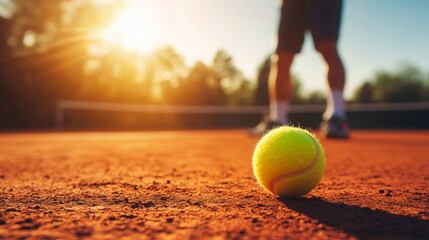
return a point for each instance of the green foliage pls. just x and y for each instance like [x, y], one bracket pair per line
[407, 84]
[364, 93]
[261, 92]
[316, 97]
[237, 89]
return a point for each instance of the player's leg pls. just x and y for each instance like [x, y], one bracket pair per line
[290, 39]
[336, 79]
[280, 86]
[325, 21]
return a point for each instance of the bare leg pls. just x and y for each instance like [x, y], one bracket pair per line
[280, 86]
[279, 83]
[279, 89]
[336, 79]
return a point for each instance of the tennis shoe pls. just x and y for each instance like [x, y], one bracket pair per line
[335, 127]
[263, 127]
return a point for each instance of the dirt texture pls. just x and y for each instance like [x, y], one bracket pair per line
[200, 185]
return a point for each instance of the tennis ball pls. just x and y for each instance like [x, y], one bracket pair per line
[288, 161]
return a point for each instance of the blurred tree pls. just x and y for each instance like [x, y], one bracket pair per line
[223, 65]
[244, 95]
[364, 93]
[4, 79]
[201, 86]
[238, 90]
[316, 97]
[425, 89]
[297, 91]
[168, 72]
[407, 84]
[261, 91]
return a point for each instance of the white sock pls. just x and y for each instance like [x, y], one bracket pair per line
[335, 105]
[279, 111]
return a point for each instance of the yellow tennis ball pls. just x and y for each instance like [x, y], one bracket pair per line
[288, 161]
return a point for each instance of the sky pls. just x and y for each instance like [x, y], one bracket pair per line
[375, 35]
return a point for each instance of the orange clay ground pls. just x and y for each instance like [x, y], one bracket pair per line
[200, 185]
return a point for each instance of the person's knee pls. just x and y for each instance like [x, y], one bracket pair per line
[283, 60]
[328, 49]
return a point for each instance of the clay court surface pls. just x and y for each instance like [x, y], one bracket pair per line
[200, 185]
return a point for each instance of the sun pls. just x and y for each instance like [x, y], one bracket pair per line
[133, 30]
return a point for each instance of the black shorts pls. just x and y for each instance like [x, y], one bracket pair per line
[321, 17]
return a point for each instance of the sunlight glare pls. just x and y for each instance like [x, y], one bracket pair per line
[133, 30]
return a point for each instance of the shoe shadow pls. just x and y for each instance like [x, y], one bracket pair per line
[362, 223]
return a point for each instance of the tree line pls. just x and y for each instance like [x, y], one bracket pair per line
[49, 53]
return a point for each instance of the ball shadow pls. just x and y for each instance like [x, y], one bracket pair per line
[362, 223]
